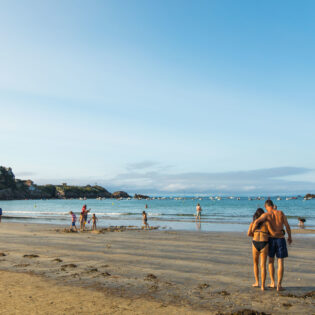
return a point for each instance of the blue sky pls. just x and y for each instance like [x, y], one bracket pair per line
[165, 96]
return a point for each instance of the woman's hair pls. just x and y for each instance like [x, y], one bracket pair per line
[143, 212]
[198, 204]
[269, 203]
[257, 214]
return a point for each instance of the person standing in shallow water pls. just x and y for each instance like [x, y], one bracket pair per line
[145, 220]
[94, 219]
[198, 209]
[73, 221]
[277, 244]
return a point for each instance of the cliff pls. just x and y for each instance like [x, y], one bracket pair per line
[309, 196]
[138, 196]
[12, 188]
[120, 194]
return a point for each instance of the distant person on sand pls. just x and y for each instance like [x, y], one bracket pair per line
[145, 220]
[0, 214]
[94, 219]
[260, 247]
[198, 209]
[277, 243]
[73, 221]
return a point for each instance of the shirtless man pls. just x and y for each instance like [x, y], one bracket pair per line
[277, 244]
[198, 209]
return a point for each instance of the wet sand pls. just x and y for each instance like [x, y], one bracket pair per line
[47, 271]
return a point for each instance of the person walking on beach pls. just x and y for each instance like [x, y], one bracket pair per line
[260, 247]
[198, 209]
[277, 243]
[73, 221]
[0, 214]
[145, 220]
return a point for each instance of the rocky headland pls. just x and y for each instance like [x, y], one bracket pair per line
[309, 196]
[12, 188]
[139, 196]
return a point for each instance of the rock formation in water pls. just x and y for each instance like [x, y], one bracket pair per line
[138, 196]
[309, 196]
[120, 194]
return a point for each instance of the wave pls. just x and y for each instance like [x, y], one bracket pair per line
[102, 214]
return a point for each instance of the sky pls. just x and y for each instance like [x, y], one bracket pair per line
[160, 97]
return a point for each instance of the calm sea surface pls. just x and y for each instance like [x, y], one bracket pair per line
[217, 215]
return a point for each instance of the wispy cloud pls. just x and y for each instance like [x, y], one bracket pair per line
[262, 181]
[24, 174]
[254, 181]
[141, 165]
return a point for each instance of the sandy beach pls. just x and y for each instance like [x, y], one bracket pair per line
[47, 271]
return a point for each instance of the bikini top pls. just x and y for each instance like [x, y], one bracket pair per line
[263, 229]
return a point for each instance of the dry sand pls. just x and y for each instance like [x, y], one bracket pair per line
[144, 272]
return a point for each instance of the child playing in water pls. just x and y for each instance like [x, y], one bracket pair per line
[73, 221]
[145, 219]
[82, 221]
[94, 219]
[301, 222]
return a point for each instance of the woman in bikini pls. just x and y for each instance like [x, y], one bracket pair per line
[260, 247]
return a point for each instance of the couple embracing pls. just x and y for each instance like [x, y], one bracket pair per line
[267, 230]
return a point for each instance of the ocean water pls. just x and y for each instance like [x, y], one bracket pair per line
[217, 215]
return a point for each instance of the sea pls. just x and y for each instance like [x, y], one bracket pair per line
[218, 214]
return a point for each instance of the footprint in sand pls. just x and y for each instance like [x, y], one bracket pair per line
[31, 256]
[64, 267]
[203, 286]
[2, 254]
[21, 265]
[105, 274]
[154, 287]
[246, 311]
[57, 260]
[150, 277]
[223, 293]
